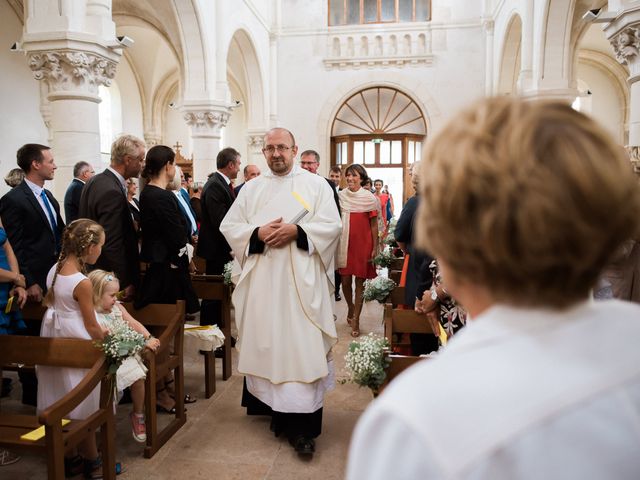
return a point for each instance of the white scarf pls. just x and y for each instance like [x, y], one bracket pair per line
[353, 202]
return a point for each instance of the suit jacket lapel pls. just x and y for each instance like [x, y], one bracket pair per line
[224, 185]
[36, 205]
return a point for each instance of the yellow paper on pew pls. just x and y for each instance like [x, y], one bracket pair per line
[38, 433]
[197, 327]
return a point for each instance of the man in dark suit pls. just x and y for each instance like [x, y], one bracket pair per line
[310, 161]
[82, 172]
[31, 217]
[250, 172]
[104, 199]
[216, 199]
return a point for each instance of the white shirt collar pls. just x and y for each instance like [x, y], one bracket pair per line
[119, 177]
[226, 179]
[296, 170]
[36, 189]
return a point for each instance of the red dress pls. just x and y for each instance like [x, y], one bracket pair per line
[360, 245]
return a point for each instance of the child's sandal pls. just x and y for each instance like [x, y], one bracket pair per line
[93, 469]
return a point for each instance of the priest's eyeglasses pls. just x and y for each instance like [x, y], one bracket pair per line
[270, 149]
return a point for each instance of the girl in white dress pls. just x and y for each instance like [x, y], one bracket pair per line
[71, 315]
[132, 371]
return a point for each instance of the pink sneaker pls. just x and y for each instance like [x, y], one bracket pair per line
[138, 428]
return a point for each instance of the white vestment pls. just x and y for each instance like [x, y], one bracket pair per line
[282, 299]
[516, 394]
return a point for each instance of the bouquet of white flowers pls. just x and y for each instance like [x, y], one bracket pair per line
[378, 289]
[384, 258]
[366, 361]
[120, 343]
[228, 268]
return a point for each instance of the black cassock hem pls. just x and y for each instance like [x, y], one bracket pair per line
[291, 424]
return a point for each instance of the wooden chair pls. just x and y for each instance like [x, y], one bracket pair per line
[395, 275]
[166, 322]
[60, 352]
[212, 287]
[31, 312]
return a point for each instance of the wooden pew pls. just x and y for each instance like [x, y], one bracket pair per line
[397, 263]
[60, 352]
[398, 322]
[166, 322]
[397, 297]
[212, 287]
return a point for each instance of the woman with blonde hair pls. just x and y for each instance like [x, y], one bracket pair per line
[523, 206]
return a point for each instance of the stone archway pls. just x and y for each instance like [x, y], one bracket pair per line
[511, 58]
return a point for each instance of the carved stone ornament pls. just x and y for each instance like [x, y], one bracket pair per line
[72, 70]
[255, 142]
[634, 157]
[626, 45]
[206, 119]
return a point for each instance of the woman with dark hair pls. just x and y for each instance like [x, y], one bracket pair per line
[164, 244]
[359, 240]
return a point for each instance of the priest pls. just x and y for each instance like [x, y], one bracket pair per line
[282, 299]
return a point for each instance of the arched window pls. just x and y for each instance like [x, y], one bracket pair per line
[383, 129]
[110, 121]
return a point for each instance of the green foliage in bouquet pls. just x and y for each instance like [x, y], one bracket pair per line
[384, 258]
[121, 342]
[378, 289]
[228, 268]
[366, 361]
[390, 239]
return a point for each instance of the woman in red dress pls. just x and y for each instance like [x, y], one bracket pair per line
[359, 240]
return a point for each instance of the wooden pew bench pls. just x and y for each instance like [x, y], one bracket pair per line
[212, 287]
[166, 322]
[398, 322]
[60, 352]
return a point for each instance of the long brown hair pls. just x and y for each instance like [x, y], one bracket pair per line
[77, 237]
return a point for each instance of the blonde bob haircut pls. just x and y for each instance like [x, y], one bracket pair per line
[99, 280]
[528, 199]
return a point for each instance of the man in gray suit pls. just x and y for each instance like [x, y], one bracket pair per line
[104, 199]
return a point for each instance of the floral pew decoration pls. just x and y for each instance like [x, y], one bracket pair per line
[366, 362]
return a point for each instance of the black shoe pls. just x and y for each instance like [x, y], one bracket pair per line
[338, 297]
[233, 342]
[303, 445]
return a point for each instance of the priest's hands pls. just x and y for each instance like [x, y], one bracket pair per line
[277, 234]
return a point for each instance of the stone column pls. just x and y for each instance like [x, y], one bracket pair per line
[73, 77]
[152, 139]
[205, 124]
[624, 35]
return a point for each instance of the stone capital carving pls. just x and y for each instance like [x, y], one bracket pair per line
[203, 121]
[626, 44]
[255, 142]
[72, 70]
[634, 157]
[152, 139]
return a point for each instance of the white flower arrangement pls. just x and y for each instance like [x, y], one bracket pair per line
[384, 258]
[390, 239]
[378, 289]
[226, 272]
[366, 361]
[120, 343]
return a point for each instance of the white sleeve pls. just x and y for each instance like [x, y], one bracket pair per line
[384, 447]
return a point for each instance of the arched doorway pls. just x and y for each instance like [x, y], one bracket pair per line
[382, 129]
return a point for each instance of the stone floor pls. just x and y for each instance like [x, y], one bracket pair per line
[220, 441]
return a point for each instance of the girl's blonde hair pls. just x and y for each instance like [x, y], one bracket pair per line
[99, 281]
[77, 237]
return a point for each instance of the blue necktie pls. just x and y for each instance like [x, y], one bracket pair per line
[52, 217]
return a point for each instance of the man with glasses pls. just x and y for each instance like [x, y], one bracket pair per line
[82, 172]
[284, 312]
[104, 200]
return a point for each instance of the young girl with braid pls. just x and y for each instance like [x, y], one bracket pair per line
[71, 314]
